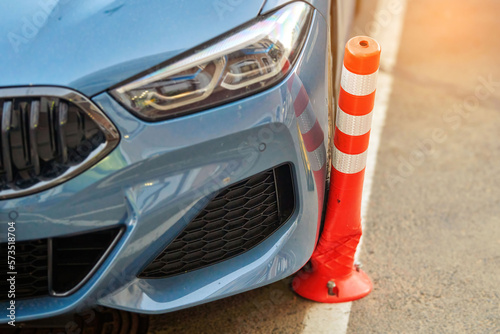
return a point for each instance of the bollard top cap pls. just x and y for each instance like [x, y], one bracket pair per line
[362, 55]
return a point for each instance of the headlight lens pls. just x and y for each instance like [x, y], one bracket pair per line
[250, 59]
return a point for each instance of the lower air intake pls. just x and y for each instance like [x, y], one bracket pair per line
[239, 218]
[55, 267]
[31, 268]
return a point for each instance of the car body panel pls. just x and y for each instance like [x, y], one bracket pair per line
[321, 6]
[54, 42]
[160, 175]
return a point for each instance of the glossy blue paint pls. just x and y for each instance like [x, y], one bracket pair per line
[321, 5]
[159, 177]
[94, 44]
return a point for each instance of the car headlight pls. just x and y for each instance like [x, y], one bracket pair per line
[250, 59]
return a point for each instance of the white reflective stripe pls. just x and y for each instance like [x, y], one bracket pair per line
[353, 125]
[317, 158]
[306, 120]
[349, 163]
[296, 86]
[356, 84]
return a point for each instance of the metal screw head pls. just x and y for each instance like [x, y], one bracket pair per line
[330, 285]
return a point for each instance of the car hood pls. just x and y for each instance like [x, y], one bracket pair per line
[93, 44]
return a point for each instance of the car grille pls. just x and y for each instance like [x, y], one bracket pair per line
[48, 135]
[55, 266]
[31, 268]
[238, 218]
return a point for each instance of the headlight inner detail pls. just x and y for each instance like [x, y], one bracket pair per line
[252, 58]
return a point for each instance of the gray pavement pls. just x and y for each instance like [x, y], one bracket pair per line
[432, 245]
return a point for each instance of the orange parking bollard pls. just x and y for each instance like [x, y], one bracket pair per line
[333, 277]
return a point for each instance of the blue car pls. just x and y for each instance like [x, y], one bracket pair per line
[157, 155]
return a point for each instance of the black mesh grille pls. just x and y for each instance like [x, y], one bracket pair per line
[73, 258]
[236, 220]
[31, 266]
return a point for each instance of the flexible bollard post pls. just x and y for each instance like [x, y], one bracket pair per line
[333, 277]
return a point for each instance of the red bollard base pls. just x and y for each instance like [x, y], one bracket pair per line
[318, 287]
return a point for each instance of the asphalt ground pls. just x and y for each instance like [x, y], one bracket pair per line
[432, 232]
[432, 243]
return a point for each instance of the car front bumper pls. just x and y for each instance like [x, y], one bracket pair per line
[159, 172]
